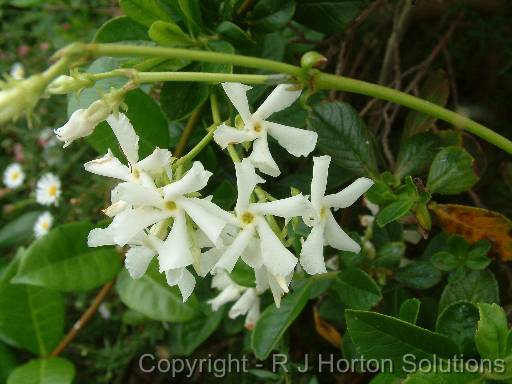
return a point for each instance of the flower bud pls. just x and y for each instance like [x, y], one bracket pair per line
[20, 97]
[83, 121]
[67, 84]
[312, 59]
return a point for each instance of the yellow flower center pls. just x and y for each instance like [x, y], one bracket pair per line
[257, 126]
[52, 191]
[135, 173]
[170, 205]
[323, 212]
[45, 225]
[15, 175]
[247, 218]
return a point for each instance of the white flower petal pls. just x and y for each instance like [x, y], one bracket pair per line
[261, 277]
[115, 208]
[281, 97]
[278, 287]
[349, 195]
[237, 94]
[204, 216]
[230, 293]
[194, 180]
[298, 142]
[337, 238]
[137, 195]
[173, 276]
[78, 126]
[157, 162]
[175, 252]
[207, 261]
[319, 181]
[312, 253]
[243, 304]
[100, 236]
[277, 259]
[126, 136]
[232, 253]
[262, 159]
[221, 280]
[225, 135]
[252, 254]
[109, 166]
[186, 284]
[253, 315]
[246, 180]
[137, 260]
[130, 222]
[290, 207]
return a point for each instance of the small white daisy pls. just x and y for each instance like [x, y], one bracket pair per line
[17, 71]
[13, 176]
[48, 189]
[43, 224]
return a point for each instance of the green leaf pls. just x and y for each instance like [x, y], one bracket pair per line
[409, 310]
[378, 336]
[418, 275]
[180, 99]
[380, 193]
[271, 15]
[458, 322]
[233, 33]
[477, 257]
[451, 172]
[436, 90]
[192, 12]
[445, 261]
[145, 12]
[7, 363]
[54, 370]
[225, 195]
[443, 378]
[61, 260]
[356, 289]
[169, 34]
[275, 321]
[385, 378]
[389, 254]
[328, 16]
[394, 211]
[243, 275]
[222, 47]
[120, 28]
[30, 317]
[493, 335]
[19, 230]
[416, 154]
[185, 338]
[152, 296]
[475, 287]
[344, 136]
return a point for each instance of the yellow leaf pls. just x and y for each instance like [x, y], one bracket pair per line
[326, 330]
[476, 224]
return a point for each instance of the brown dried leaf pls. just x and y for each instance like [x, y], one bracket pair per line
[326, 330]
[477, 224]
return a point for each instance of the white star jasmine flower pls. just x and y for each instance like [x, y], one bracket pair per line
[271, 253]
[141, 172]
[325, 229]
[247, 301]
[48, 189]
[43, 224]
[14, 176]
[83, 121]
[298, 142]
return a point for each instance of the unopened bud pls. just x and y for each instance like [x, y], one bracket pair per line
[312, 59]
[20, 97]
[68, 84]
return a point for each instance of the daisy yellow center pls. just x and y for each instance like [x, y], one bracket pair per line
[45, 225]
[257, 126]
[247, 218]
[52, 190]
[170, 205]
[15, 175]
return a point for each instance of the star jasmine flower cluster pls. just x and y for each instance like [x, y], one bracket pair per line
[13, 176]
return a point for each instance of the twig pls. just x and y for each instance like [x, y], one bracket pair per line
[187, 132]
[86, 316]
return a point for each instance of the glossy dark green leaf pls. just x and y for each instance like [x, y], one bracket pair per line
[409, 310]
[419, 275]
[458, 322]
[356, 289]
[344, 136]
[475, 287]
[275, 321]
[385, 378]
[451, 172]
[436, 90]
[477, 258]
[185, 338]
[53, 370]
[271, 15]
[192, 13]
[389, 254]
[152, 296]
[7, 362]
[168, 33]
[222, 47]
[443, 378]
[30, 317]
[145, 12]
[233, 33]
[493, 336]
[61, 260]
[120, 28]
[180, 99]
[330, 16]
[378, 336]
[243, 275]
[445, 261]
[394, 211]
[19, 230]
[225, 195]
[416, 154]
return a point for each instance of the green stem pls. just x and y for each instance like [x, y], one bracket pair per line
[56, 69]
[197, 148]
[187, 132]
[326, 81]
